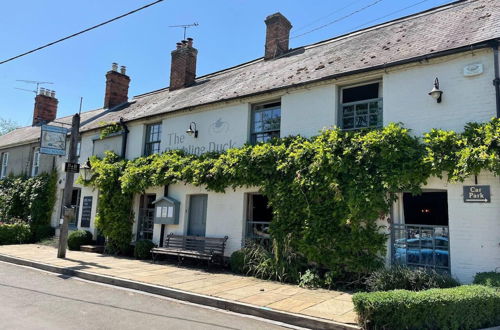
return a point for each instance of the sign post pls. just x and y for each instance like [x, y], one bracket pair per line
[68, 186]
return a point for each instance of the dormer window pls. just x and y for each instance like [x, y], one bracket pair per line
[361, 106]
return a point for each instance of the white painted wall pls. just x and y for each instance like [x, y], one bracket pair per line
[465, 99]
[307, 112]
[225, 213]
[218, 130]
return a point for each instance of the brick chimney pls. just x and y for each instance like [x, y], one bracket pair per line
[116, 86]
[277, 35]
[45, 107]
[183, 67]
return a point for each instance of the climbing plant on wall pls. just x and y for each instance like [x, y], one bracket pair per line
[115, 215]
[327, 192]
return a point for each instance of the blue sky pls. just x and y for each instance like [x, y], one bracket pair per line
[229, 32]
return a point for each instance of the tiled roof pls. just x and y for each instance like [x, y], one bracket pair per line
[32, 133]
[457, 25]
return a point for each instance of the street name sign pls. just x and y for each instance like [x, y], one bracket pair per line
[477, 194]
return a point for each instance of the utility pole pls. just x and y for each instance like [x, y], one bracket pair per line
[68, 187]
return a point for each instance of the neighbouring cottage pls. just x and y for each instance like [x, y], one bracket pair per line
[364, 79]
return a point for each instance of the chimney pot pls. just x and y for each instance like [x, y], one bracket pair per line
[114, 66]
[277, 35]
[52, 94]
[190, 42]
[123, 69]
[178, 45]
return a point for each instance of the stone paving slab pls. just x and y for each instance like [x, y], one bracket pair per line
[330, 305]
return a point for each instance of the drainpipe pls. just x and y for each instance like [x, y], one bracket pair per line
[125, 137]
[496, 81]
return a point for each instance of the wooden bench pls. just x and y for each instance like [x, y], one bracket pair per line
[205, 248]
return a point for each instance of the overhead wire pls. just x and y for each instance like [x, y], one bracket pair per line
[81, 32]
[338, 19]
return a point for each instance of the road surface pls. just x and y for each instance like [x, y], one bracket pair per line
[32, 299]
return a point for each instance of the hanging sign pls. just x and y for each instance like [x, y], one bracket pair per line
[477, 194]
[53, 140]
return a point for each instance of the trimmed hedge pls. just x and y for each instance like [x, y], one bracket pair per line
[405, 278]
[14, 233]
[463, 307]
[488, 279]
[142, 249]
[78, 238]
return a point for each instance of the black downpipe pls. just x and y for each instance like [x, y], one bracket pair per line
[496, 81]
[125, 137]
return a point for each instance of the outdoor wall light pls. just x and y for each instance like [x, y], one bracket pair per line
[436, 93]
[192, 130]
[87, 170]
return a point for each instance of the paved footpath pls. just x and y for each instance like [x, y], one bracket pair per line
[325, 304]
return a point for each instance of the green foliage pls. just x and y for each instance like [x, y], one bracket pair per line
[463, 307]
[405, 278]
[142, 249]
[7, 125]
[280, 263]
[42, 232]
[327, 192]
[311, 279]
[114, 217]
[488, 278]
[237, 262]
[14, 233]
[109, 129]
[465, 154]
[31, 199]
[78, 238]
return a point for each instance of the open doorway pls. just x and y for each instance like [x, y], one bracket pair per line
[258, 219]
[422, 239]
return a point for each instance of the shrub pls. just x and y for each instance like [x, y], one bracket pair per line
[237, 262]
[14, 233]
[41, 232]
[404, 278]
[311, 279]
[463, 307]
[142, 249]
[488, 279]
[78, 238]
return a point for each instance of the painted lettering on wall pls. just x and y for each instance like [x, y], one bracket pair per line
[176, 141]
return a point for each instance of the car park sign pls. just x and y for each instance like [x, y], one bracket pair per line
[477, 194]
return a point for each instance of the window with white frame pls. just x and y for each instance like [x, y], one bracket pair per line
[361, 106]
[153, 139]
[35, 167]
[266, 121]
[5, 165]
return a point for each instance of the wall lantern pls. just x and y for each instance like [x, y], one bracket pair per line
[87, 170]
[192, 130]
[436, 93]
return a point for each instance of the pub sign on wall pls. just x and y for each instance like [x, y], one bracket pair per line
[166, 211]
